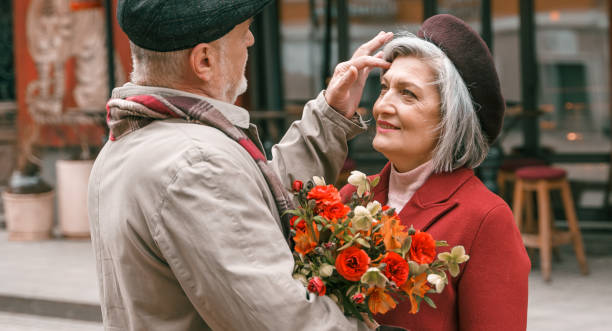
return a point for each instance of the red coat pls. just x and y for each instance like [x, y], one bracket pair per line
[490, 293]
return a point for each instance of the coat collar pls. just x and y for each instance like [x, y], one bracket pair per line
[238, 116]
[431, 201]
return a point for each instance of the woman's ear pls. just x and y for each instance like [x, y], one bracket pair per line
[202, 61]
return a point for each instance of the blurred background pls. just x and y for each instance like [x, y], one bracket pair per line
[60, 58]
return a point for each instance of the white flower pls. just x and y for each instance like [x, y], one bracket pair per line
[362, 219]
[301, 278]
[360, 180]
[373, 277]
[374, 207]
[318, 181]
[326, 270]
[454, 258]
[438, 281]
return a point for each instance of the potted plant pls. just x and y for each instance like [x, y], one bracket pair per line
[28, 200]
[72, 180]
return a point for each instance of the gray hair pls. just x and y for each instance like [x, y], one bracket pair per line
[153, 68]
[461, 141]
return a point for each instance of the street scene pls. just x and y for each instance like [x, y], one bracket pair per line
[548, 153]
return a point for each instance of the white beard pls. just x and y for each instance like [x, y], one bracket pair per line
[238, 90]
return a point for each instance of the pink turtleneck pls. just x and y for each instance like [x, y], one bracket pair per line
[402, 185]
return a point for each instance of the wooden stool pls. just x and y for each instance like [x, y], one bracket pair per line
[543, 179]
[509, 167]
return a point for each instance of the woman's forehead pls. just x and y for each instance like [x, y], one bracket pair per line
[409, 69]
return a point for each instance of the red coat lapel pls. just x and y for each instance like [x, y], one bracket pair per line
[431, 201]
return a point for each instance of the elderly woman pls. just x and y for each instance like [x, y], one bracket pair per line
[439, 108]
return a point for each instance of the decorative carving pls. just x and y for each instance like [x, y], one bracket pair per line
[56, 31]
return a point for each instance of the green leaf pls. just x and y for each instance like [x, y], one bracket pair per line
[375, 181]
[441, 243]
[429, 302]
[294, 212]
[345, 246]
[406, 246]
[362, 242]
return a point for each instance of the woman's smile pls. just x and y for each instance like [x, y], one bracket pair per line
[384, 126]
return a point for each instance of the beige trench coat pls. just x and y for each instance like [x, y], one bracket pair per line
[186, 232]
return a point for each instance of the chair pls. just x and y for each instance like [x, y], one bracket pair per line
[542, 180]
[509, 167]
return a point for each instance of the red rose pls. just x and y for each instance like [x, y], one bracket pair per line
[397, 268]
[297, 185]
[358, 298]
[352, 263]
[301, 225]
[423, 248]
[335, 210]
[316, 286]
[324, 194]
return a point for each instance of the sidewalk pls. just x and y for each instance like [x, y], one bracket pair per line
[51, 285]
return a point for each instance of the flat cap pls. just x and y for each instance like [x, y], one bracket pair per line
[472, 58]
[164, 26]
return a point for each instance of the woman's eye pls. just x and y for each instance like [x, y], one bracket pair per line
[409, 94]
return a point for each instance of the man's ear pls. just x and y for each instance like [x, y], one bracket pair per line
[202, 61]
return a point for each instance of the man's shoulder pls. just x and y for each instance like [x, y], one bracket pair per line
[162, 148]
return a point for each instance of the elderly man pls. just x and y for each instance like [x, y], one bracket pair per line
[184, 208]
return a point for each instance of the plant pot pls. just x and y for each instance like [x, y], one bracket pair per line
[72, 180]
[28, 216]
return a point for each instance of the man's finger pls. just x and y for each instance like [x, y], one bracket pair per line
[374, 44]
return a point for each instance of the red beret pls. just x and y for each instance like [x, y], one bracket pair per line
[472, 58]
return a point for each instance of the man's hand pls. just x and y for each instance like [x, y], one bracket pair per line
[346, 85]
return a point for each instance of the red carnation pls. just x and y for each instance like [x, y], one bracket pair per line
[301, 226]
[316, 286]
[352, 263]
[358, 298]
[397, 268]
[297, 185]
[336, 210]
[423, 248]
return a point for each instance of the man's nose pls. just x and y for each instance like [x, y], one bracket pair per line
[250, 39]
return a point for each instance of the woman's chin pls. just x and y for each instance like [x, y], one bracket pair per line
[380, 146]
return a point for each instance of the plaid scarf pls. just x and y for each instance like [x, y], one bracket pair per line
[130, 114]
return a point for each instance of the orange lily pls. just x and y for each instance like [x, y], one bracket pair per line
[415, 286]
[379, 301]
[393, 232]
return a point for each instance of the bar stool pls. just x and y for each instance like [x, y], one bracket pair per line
[543, 179]
[509, 167]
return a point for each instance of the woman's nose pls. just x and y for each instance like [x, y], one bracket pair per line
[383, 105]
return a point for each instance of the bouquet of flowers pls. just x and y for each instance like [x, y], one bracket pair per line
[360, 255]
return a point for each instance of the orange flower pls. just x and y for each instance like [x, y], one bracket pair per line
[329, 204]
[334, 211]
[304, 241]
[423, 248]
[415, 286]
[393, 232]
[324, 194]
[379, 301]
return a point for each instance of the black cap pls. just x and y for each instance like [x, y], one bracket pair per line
[472, 58]
[164, 26]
